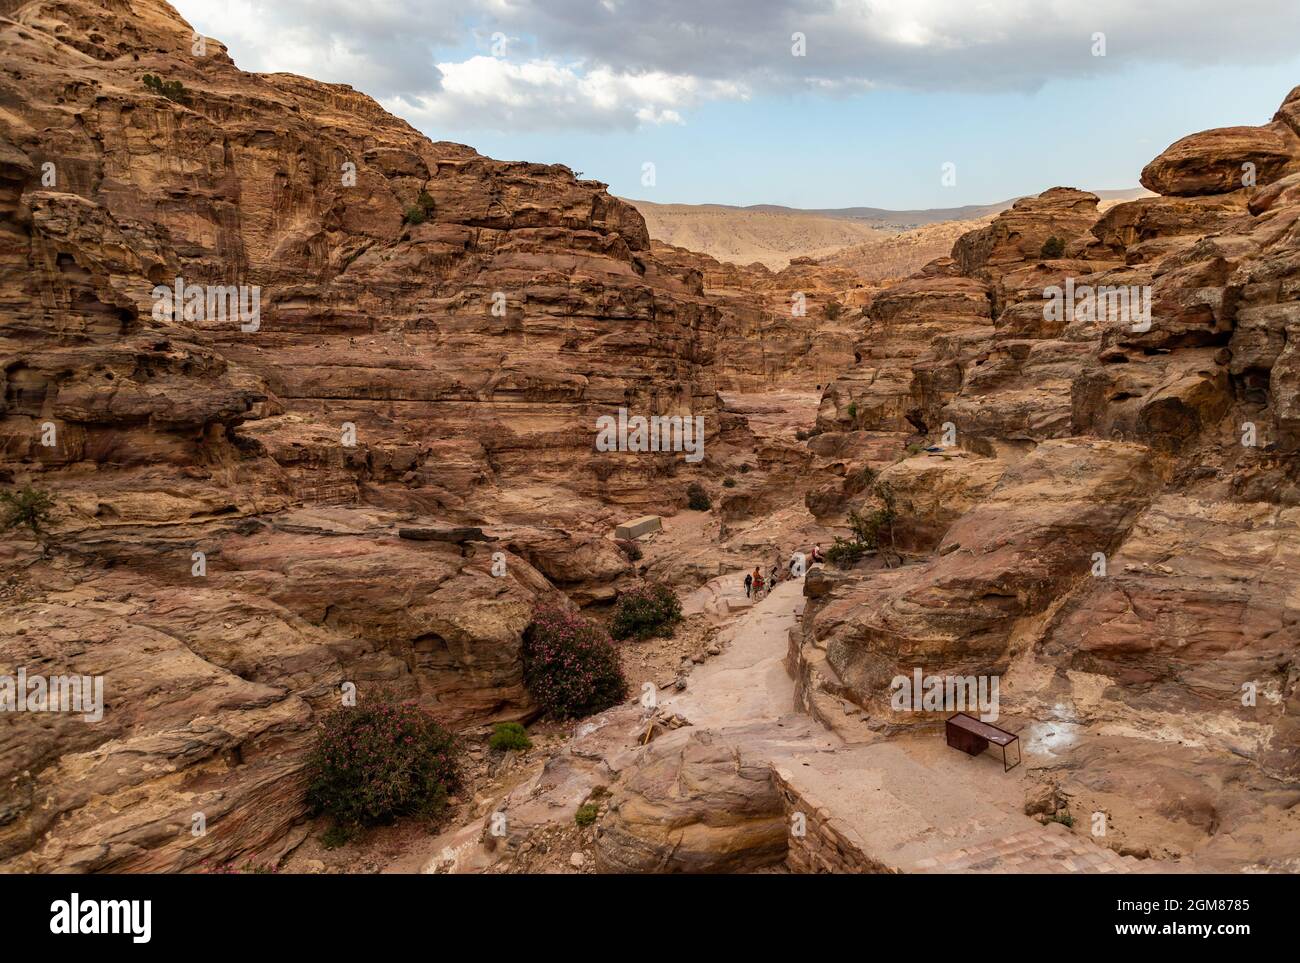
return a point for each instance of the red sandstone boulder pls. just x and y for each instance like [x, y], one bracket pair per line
[1223, 160]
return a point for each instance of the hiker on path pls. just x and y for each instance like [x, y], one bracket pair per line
[749, 583]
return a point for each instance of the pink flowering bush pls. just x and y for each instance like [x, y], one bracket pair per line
[378, 760]
[570, 666]
[646, 610]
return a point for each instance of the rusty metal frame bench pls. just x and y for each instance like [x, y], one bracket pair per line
[972, 736]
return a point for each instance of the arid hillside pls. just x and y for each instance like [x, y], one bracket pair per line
[876, 243]
[747, 236]
[892, 257]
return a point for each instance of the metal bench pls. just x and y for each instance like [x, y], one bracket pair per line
[971, 736]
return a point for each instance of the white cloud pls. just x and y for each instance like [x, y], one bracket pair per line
[488, 91]
[612, 63]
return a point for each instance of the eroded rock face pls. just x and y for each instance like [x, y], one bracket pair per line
[899, 380]
[1006, 559]
[1019, 234]
[213, 685]
[1197, 603]
[790, 328]
[931, 491]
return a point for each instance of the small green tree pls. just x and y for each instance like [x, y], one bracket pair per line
[1053, 247]
[173, 90]
[27, 508]
[872, 530]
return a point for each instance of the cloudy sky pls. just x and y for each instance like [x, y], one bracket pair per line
[809, 103]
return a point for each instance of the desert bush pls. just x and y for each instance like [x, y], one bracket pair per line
[630, 548]
[853, 411]
[844, 552]
[832, 310]
[508, 736]
[1053, 247]
[871, 530]
[802, 434]
[586, 814]
[378, 760]
[570, 666]
[27, 508]
[645, 611]
[420, 211]
[173, 90]
[697, 499]
[728, 483]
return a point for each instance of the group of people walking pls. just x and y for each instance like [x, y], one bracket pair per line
[757, 584]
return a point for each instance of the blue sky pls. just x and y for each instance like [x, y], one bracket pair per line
[885, 92]
[885, 148]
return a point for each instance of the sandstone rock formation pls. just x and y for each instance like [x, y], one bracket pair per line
[789, 328]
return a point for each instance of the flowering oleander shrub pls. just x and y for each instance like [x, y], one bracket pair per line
[379, 760]
[646, 610]
[570, 666]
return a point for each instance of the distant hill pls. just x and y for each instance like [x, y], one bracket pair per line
[772, 234]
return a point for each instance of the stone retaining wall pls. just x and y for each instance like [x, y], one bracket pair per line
[828, 845]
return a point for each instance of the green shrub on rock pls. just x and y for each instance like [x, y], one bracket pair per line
[509, 736]
[27, 508]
